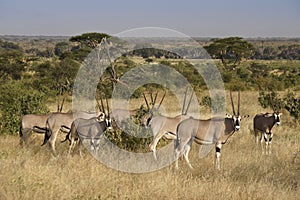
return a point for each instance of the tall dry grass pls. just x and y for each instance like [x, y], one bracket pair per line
[246, 173]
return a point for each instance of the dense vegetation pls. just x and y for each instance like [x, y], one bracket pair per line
[35, 71]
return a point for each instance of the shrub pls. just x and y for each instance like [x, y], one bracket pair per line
[270, 99]
[289, 102]
[292, 104]
[15, 101]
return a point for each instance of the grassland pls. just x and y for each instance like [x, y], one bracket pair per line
[246, 173]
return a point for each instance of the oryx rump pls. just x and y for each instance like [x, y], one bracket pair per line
[56, 120]
[32, 122]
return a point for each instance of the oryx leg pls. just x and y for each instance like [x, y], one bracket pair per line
[72, 145]
[256, 136]
[218, 154]
[156, 138]
[262, 139]
[24, 135]
[52, 141]
[180, 147]
[268, 144]
[80, 147]
[187, 149]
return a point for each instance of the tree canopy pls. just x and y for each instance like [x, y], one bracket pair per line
[89, 39]
[230, 50]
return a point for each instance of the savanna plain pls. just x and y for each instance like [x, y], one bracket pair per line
[246, 171]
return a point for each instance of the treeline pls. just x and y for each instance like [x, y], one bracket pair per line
[35, 72]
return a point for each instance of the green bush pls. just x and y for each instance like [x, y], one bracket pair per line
[289, 102]
[270, 99]
[292, 104]
[15, 101]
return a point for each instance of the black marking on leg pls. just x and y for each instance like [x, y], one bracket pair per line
[266, 139]
[218, 149]
[270, 139]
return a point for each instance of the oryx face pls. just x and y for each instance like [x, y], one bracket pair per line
[236, 117]
[277, 118]
[108, 123]
[236, 122]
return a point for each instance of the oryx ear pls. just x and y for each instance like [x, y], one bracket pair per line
[228, 116]
[279, 114]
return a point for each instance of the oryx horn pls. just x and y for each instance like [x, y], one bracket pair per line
[232, 103]
[146, 101]
[102, 106]
[107, 105]
[154, 101]
[62, 104]
[98, 104]
[189, 103]
[239, 99]
[184, 100]
[161, 100]
[272, 104]
[151, 97]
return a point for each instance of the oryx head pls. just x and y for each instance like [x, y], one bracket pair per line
[103, 116]
[236, 117]
[108, 123]
[277, 115]
[146, 118]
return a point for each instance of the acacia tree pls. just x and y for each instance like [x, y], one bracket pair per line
[90, 40]
[230, 51]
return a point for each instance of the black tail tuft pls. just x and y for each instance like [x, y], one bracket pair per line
[47, 137]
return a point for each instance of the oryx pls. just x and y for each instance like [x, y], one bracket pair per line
[164, 126]
[206, 132]
[35, 123]
[32, 122]
[56, 120]
[264, 123]
[90, 129]
[118, 115]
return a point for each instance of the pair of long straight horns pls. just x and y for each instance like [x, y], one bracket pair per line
[153, 100]
[233, 110]
[184, 112]
[101, 106]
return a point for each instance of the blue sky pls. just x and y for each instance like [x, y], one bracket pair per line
[213, 18]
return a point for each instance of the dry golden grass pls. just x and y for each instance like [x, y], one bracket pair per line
[245, 173]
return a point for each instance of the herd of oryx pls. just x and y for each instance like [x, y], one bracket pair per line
[183, 129]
